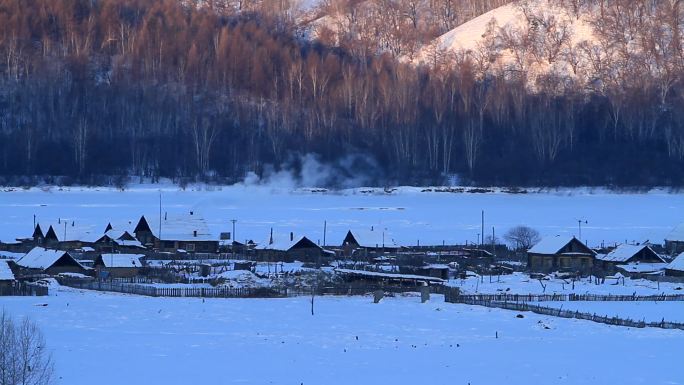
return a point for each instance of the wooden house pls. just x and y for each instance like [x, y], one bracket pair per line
[64, 234]
[52, 262]
[674, 241]
[176, 233]
[364, 243]
[290, 248]
[7, 279]
[117, 241]
[626, 254]
[118, 265]
[676, 267]
[560, 253]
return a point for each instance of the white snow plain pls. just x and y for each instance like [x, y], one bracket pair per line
[122, 339]
[408, 214]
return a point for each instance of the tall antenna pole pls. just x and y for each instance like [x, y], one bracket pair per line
[234, 237]
[325, 230]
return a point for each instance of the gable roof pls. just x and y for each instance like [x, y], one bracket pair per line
[41, 258]
[371, 238]
[551, 244]
[6, 273]
[677, 263]
[121, 238]
[71, 232]
[283, 243]
[624, 252]
[189, 226]
[120, 260]
[677, 234]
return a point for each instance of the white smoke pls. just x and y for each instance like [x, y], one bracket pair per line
[308, 170]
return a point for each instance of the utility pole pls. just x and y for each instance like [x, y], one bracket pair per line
[482, 230]
[160, 218]
[325, 230]
[234, 237]
[493, 238]
[579, 225]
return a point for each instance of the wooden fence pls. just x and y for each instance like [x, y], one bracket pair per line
[133, 287]
[571, 297]
[153, 291]
[24, 290]
[454, 297]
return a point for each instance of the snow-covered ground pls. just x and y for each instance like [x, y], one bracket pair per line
[114, 339]
[672, 311]
[519, 283]
[408, 214]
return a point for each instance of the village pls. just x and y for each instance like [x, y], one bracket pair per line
[158, 287]
[178, 251]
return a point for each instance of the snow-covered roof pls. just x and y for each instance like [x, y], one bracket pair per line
[11, 255]
[5, 271]
[677, 234]
[282, 242]
[551, 245]
[373, 238]
[123, 238]
[189, 226]
[41, 258]
[122, 260]
[677, 263]
[623, 253]
[643, 267]
[69, 230]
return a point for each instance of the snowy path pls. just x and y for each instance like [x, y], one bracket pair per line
[114, 339]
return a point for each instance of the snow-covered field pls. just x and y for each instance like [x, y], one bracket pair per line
[407, 213]
[638, 310]
[519, 283]
[115, 339]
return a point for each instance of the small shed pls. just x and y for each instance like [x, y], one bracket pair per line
[7, 278]
[47, 261]
[674, 241]
[676, 267]
[625, 254]
[118, 265]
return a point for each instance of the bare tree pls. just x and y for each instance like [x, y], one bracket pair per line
[24, 360]
[522, 237]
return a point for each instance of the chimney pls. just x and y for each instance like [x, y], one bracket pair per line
[192, 213]
[164, 215]
[291, 236]
[194, 233]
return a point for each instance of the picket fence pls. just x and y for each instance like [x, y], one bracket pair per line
[572, 297]
[487, 301]
[200, 292]
[24, 290]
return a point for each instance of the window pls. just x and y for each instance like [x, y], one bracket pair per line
[189, 247]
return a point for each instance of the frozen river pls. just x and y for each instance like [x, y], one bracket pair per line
[409, 215]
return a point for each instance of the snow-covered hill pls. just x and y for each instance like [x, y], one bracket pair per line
[533, 37]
